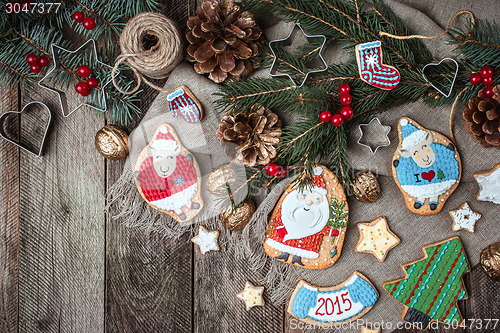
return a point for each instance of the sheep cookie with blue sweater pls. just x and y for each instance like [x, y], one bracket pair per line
[426, 167]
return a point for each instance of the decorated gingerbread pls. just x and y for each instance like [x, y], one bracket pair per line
[168, 176]
[426, 167]
[182, 102]
[307, 227]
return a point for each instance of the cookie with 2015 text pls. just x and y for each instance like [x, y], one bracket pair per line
[426, 167]
[307, 227]
[168, 176]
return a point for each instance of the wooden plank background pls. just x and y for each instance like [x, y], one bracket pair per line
[66, 266]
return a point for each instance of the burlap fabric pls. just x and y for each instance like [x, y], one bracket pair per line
[414, 231]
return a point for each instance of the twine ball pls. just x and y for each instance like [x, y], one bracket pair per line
[365, 187]
[490, 260]
[112, 142]
[237, 219]
[162, 57]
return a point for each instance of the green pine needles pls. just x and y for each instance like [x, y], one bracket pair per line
[338, 215]
[346, 23]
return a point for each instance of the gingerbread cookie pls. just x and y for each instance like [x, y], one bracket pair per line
[326, 306]
[168, 176]
[251, 295]
[207, 240]
[464, 218]
[376, 238]
[489, 184]
[433, 285]
[307, 227]
[426, 167]
[183, 102]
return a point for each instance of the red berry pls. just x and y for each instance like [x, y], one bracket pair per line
[345, 99]
[43, 61]
[82, 88]
[487, 81]
[325, 116]
[92, 82]
[346, 112]
[282, 172]
[78, 17]
[488, 92]
[36, 68]
[272, 169]
[475, 79]
[32, 59]
[486, 72]
[335, 233]
[88, 23]
[337, 120]
[344, 88]
[83, 70]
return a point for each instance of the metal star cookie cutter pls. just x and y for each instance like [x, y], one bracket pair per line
[437, 64]
[55, 49]
[379, 144]
[37, 152]
[286, 42]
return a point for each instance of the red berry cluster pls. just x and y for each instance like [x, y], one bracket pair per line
[87, 22]
[85, 88]
[275, 170]
[36, 63]
[485, 76]
[346, 111]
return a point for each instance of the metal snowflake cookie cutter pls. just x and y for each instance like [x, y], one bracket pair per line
[37, 151]
[385, 129]
[63, 100]
[437, 64]
[286, 42]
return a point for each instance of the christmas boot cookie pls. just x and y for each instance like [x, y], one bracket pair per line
[327, 306]
[168, 176]
[183, 102]
[307, 227]
[371, 68]
[426, 167]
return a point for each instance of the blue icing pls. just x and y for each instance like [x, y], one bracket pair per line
[362, 292]
[445, 161]
[305, 299]
[175, 94]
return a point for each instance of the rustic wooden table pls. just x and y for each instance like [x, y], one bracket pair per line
[67, 266]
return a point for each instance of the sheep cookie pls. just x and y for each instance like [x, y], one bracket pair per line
[168, 176]
[426, 167]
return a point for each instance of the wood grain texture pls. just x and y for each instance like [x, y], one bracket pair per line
[61, 227]
[9, 223]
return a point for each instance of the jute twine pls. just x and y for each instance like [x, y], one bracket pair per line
[155, 62]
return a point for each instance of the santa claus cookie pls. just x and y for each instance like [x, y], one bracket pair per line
[307, 227]
[426, 167]
[168, 177]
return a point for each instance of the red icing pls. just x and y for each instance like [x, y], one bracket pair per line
[428, 175]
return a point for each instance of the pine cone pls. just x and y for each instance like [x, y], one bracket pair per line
[482, 119]
[250, 137]
[223, 39]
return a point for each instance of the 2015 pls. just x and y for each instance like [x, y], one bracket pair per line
[27, 7]
[329, 305]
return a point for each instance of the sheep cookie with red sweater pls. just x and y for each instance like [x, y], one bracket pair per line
[168, 176]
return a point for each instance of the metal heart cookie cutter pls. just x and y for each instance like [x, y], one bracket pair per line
[437, 64]
[287, 42]
[28, 137]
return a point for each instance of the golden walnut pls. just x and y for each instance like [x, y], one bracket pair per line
[112, 142]
[237, 219]
[490, 260]
[365, 187]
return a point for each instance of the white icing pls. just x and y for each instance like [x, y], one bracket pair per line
[177, 200]
[308, 287]
[464, 218]
[355, 308]
[292, 250]
[413, 139]
[168, 145]
[489, 187]
[351, 280]
[403, 122]
[429, 190]
[207, 240]
[317, 170]
[164, 129]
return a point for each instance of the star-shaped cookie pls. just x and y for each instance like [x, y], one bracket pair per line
[376, 238]
[251, 295]
[207, 240]
[365, 329]
[464, 218]
[489, 184]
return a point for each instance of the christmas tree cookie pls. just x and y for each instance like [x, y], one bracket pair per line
[433, 285]
[168, 176]
[307, 227]
[426, 167]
